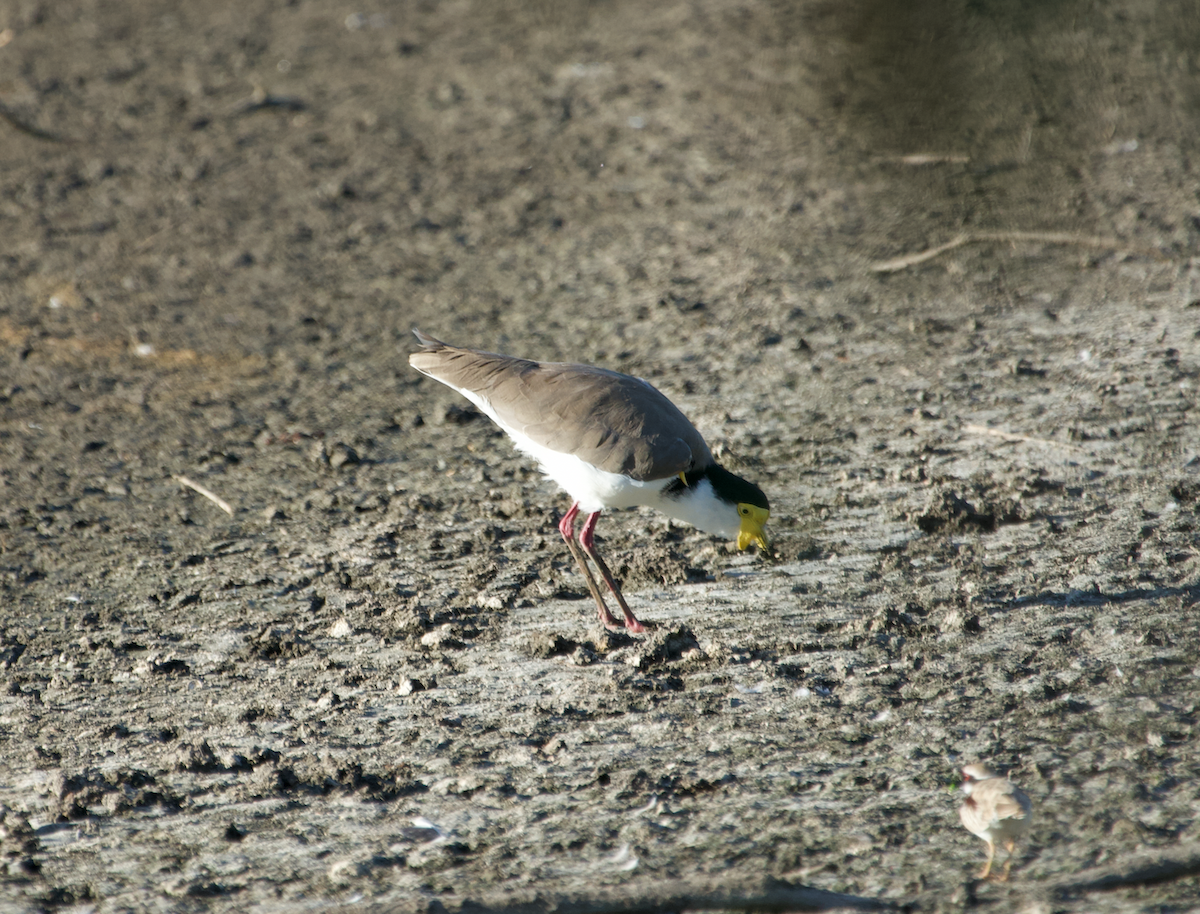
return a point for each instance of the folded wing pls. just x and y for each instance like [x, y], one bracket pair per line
[614, 421]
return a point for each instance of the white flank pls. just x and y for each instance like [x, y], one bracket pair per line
[596, 489]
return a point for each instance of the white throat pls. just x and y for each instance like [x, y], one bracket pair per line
[699, 506]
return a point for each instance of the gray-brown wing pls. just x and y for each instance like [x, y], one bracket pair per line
[1012, 805]
[614, 421]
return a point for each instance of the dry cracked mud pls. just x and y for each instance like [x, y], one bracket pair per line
[378, 682]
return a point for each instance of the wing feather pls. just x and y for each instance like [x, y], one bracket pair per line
[617, 422]
[1009, 806]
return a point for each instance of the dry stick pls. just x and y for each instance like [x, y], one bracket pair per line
[909, 260]
[1009, 436]
[926, 158]
[261, 99]
[150, 239]
[214, 498]
[37, 132]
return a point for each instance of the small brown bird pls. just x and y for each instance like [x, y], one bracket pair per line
[610, 440]
[994, 810]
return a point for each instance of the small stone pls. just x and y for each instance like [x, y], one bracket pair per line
[343, 455]
[442, 637]
[344, 871]
[409, 686]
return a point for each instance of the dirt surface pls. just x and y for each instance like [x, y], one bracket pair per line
[379, 684]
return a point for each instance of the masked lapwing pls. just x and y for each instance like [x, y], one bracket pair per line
[609, 440]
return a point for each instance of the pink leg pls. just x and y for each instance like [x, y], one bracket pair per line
[586, 541]
[566, 527]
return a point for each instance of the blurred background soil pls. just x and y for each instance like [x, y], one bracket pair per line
[371, 676]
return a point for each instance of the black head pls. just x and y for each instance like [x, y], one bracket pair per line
[733, 489]
[726, 485]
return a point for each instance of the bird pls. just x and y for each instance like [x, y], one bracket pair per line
[995, 810]
[609, 440]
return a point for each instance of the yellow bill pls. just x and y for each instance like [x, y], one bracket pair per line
[752, 528]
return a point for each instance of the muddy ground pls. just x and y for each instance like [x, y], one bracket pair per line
[379, 683]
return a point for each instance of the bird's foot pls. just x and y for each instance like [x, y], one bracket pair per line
[609, 621]
[629, 624]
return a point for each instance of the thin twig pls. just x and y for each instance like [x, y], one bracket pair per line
[926, 158]
[1009, 436]
[211, 496]
[909, 260]
[37, 132]
[261, 99]
[153, 237]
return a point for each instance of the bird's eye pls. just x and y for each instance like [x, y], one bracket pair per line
[745, 511]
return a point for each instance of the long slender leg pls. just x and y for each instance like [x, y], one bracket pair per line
[987, 867]
[566, 527]
[1010, 846]
[589, 546]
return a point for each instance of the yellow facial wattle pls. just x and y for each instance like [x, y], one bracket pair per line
[751, 529]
